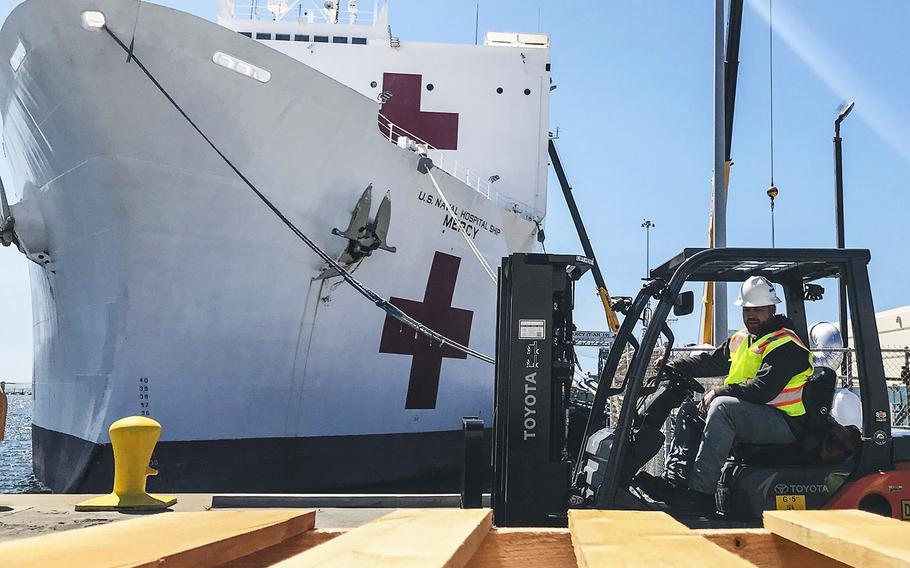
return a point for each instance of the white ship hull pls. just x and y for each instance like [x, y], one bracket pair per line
[171, 290]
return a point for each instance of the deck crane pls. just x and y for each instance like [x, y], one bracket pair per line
[602, 291]
[731, 71]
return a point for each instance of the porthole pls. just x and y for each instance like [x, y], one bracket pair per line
[527, 91]
[429, 86]
[373, 84]
[499, 90]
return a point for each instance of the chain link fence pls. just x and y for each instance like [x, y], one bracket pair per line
[897, 373]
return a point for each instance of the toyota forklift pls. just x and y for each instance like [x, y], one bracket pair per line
[546, 459]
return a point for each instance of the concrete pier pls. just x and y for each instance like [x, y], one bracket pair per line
[34, 514]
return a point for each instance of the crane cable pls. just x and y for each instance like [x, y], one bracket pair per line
[381, 302]
[772, 189]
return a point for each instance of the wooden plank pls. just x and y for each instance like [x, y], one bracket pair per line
[177, 539]
[852, 537]
[422, 538]
[767, 549]
[642, 538]
[525, 548]
[284, 550]
[502, 548]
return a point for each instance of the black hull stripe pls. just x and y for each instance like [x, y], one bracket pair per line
[427, 462]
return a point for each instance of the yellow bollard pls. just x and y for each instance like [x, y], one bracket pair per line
[133, 439]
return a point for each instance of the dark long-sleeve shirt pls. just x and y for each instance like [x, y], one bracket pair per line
[778, 366]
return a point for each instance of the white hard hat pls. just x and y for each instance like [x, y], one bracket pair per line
[847, 408]
[824, 335]
[757, 292]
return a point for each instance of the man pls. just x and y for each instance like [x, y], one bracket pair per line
[766, 366]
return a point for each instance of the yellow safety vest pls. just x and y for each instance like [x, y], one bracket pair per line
[746, 359]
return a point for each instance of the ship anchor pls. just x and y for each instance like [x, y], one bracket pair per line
[7, 236]
[364, 235]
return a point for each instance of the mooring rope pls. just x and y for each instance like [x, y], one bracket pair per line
[378, 300]
[468, 239]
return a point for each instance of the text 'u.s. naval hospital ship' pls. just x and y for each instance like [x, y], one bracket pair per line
[168, 174]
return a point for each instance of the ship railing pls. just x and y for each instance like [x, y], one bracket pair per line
[445, 162]
[17, 388]
[303, 11]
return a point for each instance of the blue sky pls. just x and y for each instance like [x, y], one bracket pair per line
[634, 110]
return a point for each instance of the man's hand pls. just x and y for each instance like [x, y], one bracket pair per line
[706, 402]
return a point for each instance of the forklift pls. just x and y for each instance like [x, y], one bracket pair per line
[544, 462]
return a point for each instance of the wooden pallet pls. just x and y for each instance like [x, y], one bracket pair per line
[427, 538]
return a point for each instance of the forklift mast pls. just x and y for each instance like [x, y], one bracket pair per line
[534, 368]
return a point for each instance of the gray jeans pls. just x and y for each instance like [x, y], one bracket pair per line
[730, 420]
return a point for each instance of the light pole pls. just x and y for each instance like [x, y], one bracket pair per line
[839, 212]
[647, 225]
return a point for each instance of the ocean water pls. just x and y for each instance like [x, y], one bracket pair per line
[16, 449]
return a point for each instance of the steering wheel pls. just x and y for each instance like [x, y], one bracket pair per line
[673, 376]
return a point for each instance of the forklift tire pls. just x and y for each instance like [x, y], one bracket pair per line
[876, 504]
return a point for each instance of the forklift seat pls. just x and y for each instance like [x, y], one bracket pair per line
[900, 439]
[818, 395]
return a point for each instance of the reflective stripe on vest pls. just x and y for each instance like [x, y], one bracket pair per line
[737, 339]
[746, 360]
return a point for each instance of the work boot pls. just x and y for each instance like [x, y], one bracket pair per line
[657, 488]
[692, 503]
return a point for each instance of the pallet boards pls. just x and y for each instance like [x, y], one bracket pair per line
[418, 538]
[852, 537]
[640, 538]
[766, 549]
[466, 538]
[204, 538]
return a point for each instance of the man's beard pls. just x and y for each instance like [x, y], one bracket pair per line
[753, 327]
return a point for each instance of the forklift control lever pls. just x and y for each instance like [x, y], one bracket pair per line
[673, 376]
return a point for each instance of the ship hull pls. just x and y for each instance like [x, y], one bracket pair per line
[162, 286]
[428, 462]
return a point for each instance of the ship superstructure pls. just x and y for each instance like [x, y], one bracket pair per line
[484, 107]
[163, 287]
